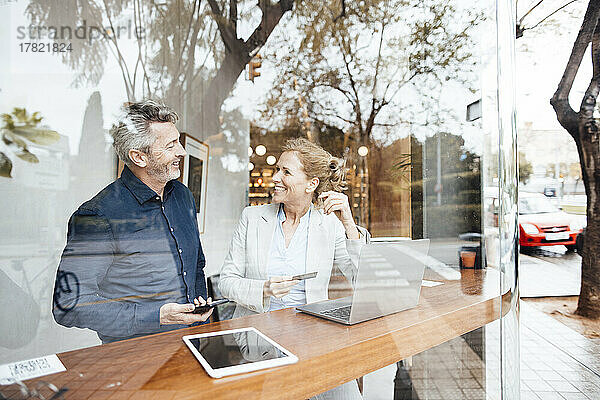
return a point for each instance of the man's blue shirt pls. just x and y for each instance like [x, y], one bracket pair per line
[127, 254]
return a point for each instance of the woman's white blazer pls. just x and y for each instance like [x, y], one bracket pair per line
[245, 268]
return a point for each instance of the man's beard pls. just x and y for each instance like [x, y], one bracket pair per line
[161, 172]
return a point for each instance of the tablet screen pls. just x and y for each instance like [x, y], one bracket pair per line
[236, 348]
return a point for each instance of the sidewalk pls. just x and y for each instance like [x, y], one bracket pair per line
[556, 361]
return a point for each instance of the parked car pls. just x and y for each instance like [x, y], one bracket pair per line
[541, 223]
[550, 191]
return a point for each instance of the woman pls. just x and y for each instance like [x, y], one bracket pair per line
[274, 242]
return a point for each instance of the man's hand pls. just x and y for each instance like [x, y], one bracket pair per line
[173, 313]
[278, 286]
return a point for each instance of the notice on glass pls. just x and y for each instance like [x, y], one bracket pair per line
[29, 369]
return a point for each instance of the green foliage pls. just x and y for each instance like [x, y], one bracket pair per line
[5, 166]
[19, 128]
[401, 169]
[525, 168]
[455, 158]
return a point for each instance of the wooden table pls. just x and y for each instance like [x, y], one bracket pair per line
[161, 366]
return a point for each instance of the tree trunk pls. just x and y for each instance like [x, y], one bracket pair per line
[589, 296]
[589, 154]
[583, 127]
[218, 90]
[237, 54]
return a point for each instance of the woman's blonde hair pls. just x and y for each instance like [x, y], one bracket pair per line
[318, 163]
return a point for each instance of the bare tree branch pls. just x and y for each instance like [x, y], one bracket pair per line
[567, 117]
[187, 35]
[206, 56]
[385, 125]
[339, 89]
[375, 105]
[391, 80]
[271, 16]
[345, 55]
[329, 112]
[400, 86]
[228, 34]
[521, 28]
[378, 64]
[129, 88]
[238, 54]
[528, 12]
[551, 14]
[190, 60]
[137, 12]
[373, 114]
[342, 13]
[596, 52]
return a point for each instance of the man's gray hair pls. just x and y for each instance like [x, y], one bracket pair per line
[132, 132]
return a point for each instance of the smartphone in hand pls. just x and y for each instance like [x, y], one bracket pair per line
[204, 308]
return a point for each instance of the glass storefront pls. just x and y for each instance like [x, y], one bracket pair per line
[416, 98]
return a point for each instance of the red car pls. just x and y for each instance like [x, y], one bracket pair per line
[541, 223]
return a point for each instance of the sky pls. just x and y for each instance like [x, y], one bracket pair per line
[542, 55]
[41, 82]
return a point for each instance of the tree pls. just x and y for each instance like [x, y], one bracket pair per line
[525, 168]
[348, 67]
[371, 70]
[545, 18]
[179, 56]
[583, 127]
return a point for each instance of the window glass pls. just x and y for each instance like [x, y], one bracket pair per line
[403, 95]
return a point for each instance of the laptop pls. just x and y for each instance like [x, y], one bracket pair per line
[388, 281]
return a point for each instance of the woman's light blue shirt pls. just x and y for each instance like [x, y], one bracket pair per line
[289, 261]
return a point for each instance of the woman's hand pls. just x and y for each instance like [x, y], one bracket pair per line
[337, 203]
[173, 313]
[278, 286]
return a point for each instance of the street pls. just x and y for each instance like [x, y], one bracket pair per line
[549, 271]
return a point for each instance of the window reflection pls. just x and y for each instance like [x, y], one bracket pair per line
[384, 85]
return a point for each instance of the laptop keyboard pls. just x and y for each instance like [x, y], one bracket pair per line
[340, 312]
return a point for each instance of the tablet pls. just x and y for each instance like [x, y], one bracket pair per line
[237, 351]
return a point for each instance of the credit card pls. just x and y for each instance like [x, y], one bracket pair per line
[308, 275]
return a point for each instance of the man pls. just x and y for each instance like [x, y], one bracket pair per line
[133, 263]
